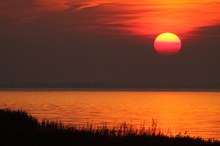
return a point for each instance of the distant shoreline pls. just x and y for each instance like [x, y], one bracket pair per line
[113, 89]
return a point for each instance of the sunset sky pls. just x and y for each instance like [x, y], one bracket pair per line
[111, 41]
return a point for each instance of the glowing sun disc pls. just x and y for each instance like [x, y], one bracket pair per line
[167, 44]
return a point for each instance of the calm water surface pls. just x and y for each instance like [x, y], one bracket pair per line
[198, 113]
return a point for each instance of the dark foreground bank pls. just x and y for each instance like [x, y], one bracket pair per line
[19, 128]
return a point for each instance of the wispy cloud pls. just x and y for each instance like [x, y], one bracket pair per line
[86, 6]
[144, 17]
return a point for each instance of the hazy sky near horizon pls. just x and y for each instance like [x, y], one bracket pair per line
[109, 41]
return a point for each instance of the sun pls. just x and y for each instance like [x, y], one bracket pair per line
[167, 44]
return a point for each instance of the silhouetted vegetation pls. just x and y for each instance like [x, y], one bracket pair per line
[19, 128]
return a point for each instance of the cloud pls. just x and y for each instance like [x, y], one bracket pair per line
[86, 6]
[140, 18]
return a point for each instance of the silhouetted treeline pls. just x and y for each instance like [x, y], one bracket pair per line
[17, 128]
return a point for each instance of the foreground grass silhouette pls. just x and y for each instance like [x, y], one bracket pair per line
[19, 128]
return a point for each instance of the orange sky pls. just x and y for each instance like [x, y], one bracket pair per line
[145, 17]
[108, 39]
